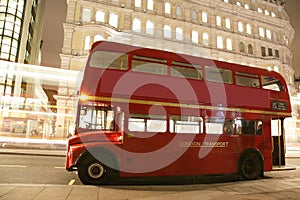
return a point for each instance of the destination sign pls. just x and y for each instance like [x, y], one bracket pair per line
[279, 105]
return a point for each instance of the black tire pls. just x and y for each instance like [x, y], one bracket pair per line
[250, 167]
[92, 171]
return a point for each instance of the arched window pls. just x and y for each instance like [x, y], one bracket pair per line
[136, 25]
[178, 11]
[246, 6]
[87, 43]
[98, 38]
[167, 31]
[238, 4]
[250, 49]
[149, 27]
[179, 34]
[242, 47]
[167, 8]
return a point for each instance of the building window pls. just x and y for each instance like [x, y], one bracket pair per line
[220, 42]
[226, 1]
[270, 52]
[86, 15]
[263, 51]
[238, 4]
[246, 6]
[267, 12]
[194, 15]
[98, 38]
[138, 3]
[242, 47]
[259, 10]
[136, 25]
[229, 44]
[178, 11]
[268, 34]
[100, 16]
[261, 32]
[275, 37]
[205, 39]
[87, 43]
[179, 34]
[113, 20]
[276, 53]
[167, 31]
[249, 29]
[250, 49]
[227, 23]
[273, 14]
[219, 21]
[204, 17]
[150, 5]
[241, 27]
[195, 37]
[167, 8]
[149, 28]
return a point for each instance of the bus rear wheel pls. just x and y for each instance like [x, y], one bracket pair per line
[92, 171]
[250, 167]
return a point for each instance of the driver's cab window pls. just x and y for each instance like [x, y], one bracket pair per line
[94, 117]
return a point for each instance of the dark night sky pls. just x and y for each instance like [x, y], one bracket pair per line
[55, 15]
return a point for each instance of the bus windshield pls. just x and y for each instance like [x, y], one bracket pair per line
[96, 117]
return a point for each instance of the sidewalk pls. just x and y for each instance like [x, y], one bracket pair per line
[266, 189]
[9, 145]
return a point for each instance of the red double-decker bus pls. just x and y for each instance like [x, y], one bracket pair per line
[152, 113]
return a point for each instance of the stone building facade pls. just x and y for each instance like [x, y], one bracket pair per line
[256, 33]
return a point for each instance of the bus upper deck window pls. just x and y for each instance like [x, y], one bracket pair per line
[110, 60]
[272, 83]
[218, 75]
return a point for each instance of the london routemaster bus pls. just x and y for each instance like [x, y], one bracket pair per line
[151, 113]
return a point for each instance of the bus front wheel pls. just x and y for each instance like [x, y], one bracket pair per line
[92, 171]
[250, 167]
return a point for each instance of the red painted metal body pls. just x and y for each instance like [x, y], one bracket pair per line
[165, 153]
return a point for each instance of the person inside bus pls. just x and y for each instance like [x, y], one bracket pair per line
[248, 127]
[259, 129]
[228, 129]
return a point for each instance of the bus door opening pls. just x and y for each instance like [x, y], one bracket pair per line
[277, 131]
